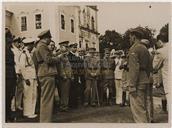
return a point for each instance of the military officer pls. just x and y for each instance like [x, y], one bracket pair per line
[46, 71]
[92, 73]
[29, 75]
[66, 75]
[139, 71]
[107, 70]
[19, 89]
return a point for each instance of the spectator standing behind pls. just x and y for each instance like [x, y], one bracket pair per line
[92, 72]
[162, 63]
[124, 66]
[10, 76]
[118, 78]
[107, 70]
[150, 87]
[65, 74]
[46, 71]
[29, 76]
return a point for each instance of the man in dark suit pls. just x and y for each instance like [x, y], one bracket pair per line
[73, 59]
[10, 76]
[81, 73]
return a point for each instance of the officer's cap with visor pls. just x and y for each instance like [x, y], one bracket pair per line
[16, 39]
[28, 41]
[73, 45]
[45, 34]
[138, 32]
[91, 50]
[64, 43]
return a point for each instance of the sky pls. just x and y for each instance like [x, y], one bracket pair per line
[122, 16]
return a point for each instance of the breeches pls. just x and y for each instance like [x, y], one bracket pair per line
[47, 98]
[90, 90]
[64, 87]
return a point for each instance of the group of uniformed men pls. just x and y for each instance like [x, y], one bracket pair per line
[79, 78]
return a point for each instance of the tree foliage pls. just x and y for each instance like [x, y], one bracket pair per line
[117, 41]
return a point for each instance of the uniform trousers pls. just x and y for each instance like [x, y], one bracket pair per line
[65, 88]
[29, 98]
[118, 85]
[19, 93]
[47, 84]
[166, 89]
[73, 94]
[140, 104]
[9, 93]
[107, 83]
[90, 90]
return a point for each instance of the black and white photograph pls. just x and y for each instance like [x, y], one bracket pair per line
[97, 62]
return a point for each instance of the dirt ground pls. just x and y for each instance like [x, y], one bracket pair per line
[106, 114]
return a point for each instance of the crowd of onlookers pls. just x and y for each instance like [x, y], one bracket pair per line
[80, 76]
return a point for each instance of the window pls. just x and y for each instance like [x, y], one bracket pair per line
[72, 25]
[92, 22]
[62, 22]
[23, 23]
[38, 21]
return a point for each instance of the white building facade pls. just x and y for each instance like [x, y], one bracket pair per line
[66, 22]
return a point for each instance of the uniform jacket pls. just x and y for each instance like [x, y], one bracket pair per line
[107, 68]
[17, 53]
[74, 61]
[27, 65]
[81, 70]
[44, 61]
[161, 60]
[65, 69]
[118, 71]
[92, 65]
[162, 63]
[139, 65]
[9, 62]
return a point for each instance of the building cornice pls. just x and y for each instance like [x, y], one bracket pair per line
[89, 30]
[8, 13]
[93, 7]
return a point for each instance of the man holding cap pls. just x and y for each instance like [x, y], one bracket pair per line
[46, 74]
[139, 71]
[29, 75]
